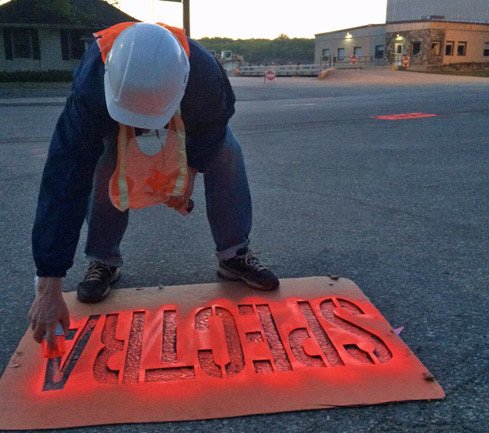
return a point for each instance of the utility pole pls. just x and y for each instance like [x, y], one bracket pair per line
[186, 14]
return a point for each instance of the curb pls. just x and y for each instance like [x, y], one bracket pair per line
[7, 102]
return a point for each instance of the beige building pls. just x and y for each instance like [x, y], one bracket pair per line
[448, 10]
[353, 47]
[415, 39]
[434, 43]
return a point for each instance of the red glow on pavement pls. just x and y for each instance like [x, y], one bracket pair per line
[404, 116]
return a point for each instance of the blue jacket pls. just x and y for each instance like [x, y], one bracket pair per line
[77, 144]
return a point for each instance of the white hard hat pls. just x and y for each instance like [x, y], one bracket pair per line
[146, 73]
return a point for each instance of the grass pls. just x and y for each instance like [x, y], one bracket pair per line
[461, 73]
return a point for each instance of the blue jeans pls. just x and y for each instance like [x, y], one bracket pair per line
[228, 205]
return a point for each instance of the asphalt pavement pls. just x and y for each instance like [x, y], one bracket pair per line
[399, 207]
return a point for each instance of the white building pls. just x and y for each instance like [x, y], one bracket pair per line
[51, 35]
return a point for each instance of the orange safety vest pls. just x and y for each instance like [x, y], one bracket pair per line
[141, 180]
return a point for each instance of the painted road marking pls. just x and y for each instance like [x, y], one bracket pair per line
[213, 351]
[404, 116]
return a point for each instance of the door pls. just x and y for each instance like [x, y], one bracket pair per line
[398, 51]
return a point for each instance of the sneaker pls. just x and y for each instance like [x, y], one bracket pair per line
[246, 267]
[96, 283]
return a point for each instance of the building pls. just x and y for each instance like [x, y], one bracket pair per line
[420, 34]
[447, 10]
[353, 47]
[51, 35]
[431, 44]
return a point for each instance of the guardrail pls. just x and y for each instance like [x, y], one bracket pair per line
[310, 70]
[280, 70]
[362, 62]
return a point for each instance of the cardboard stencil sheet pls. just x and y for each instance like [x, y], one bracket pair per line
[212, 351]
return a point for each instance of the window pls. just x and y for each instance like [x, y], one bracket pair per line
[435, 48]
[461, 48]
[326, 53]
[341, 54]
[449, 48]
[21, 44]
[486, 49]
[72, 44]
[379, 51]
[357, 52]
[416, 48]
[398, 49]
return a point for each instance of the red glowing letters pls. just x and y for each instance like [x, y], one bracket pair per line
[220, 340]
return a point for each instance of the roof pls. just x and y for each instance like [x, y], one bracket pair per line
[443, 21]
[371, 26]
[80, 13]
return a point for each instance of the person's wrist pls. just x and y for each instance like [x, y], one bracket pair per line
[49, 285]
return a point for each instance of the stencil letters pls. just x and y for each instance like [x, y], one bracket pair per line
[221, 341]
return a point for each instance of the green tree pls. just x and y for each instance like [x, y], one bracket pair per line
[281, 50]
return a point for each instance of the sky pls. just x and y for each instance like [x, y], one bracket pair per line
[244, 19]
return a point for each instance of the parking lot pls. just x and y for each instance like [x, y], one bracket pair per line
[401, 207]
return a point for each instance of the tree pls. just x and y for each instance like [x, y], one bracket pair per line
[265, 51]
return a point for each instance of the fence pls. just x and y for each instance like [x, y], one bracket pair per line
[362, 62]
[280, 70]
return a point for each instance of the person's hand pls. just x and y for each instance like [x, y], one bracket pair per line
[48, 308]
[180, 204]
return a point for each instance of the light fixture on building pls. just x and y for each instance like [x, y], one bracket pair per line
[348, 35]
[399, 37]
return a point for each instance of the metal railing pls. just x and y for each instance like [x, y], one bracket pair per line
[280, 70]
[312, 70]
[362, 62]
